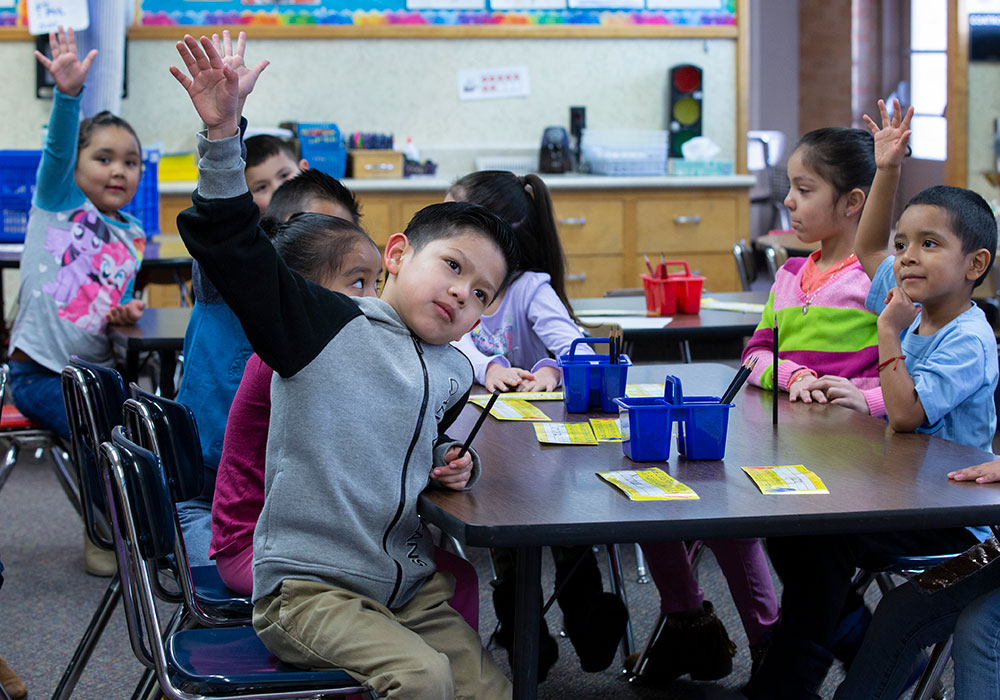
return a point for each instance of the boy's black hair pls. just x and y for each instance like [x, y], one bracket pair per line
[451, 219]
[523, 201]
[263, 146]
[295, 193]
[99, 121]
[843, 157]
[970, 218]
[314, 245]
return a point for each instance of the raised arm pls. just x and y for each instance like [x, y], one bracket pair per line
[213, 86]
[233, 57]
[891, 139]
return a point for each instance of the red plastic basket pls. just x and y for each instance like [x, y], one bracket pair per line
[678, 293]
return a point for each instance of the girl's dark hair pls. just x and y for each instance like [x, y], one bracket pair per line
[843, 157]
[314, 245]
[100, 121]
[525, 204]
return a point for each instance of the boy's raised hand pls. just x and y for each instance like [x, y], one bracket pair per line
[247, 77]
[892, 137]
[213, 86]
[67, 70]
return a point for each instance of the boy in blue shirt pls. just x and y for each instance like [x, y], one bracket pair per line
[938, 370]
[343, 568]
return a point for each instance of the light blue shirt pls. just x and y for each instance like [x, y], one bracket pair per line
[954, 370]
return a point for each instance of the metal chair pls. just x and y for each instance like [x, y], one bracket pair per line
[776, 256]
[21, 432]
[189, 664]
[764, 151]
[746, 268]
[167, 428]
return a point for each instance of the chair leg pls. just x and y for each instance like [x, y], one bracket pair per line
[618, 588]
[932, 674]
[147, 689]
[640, 565]
[62, 465]
[640, 663]
[90, 638]
[10, 459]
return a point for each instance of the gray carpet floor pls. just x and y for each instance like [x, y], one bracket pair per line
[47, 600]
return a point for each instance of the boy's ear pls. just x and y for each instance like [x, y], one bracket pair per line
[395, 248]
[978, 262]
[855, 201]
[303, 164]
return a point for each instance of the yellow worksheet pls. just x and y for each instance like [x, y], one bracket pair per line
[649, 485]
[790, 478]
[606, 429]
[565, 433]
[523, 396]
[643, 390]
[512, 409]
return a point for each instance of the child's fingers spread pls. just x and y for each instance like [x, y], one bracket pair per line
[227, 43]
[213, 56]
[241, 43]
[181, 77]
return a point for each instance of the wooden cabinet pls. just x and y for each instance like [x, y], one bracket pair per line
[604, 231]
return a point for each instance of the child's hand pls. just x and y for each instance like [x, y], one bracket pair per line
[247, 77]
[841, 392]
[67, 70]
[892, 138]
[126, 314]
[505, 378]
[544, 379]
[899, 311]
[456, 472]
[213, 86]
[984, 473]
[802, 389]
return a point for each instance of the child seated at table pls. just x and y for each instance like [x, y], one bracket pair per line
[938, 366]
[343, 569]
[512, 348]
[215, 346]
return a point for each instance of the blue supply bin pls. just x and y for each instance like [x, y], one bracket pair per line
[592, 381]
[646, 423]
[18, 170]
[322, 145]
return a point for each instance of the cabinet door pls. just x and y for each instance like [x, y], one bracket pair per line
[592, 275]
[589, 224]
[408, 206]
[376, 219]
[674, 225]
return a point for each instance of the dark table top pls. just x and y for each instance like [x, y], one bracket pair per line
[530, 494]
[157, 329]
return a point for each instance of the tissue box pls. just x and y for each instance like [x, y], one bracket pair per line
[700, 168]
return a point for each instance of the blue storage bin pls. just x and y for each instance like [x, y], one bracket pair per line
[323, 147]
[591, 381]
[646, 423]
[18, 170]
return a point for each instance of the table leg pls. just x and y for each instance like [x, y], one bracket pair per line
[527, 611]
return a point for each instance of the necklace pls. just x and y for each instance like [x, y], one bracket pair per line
[826, 277]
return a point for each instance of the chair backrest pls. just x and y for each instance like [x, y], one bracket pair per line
[745, 267]
[93, 397]
[776, 256]
[170, 431]
[764, 149]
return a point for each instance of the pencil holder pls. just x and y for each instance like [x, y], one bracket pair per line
[678, 293]
[646, 423]
[702, 422]
[592, 381]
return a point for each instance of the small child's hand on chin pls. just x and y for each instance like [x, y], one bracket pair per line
[455, 473]
[985, 473]
[899, 311]
[126, 314]
[545, 379]
[505, 378]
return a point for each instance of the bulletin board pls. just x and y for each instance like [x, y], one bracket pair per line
[292, 14]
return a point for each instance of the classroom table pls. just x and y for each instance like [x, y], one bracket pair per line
[531, 495]
[708, 324]
[159, 330]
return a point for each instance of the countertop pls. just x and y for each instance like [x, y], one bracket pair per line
[555, 182]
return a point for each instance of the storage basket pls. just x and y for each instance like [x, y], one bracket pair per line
[625, 151]
[592, 382]
[675, 293]
[18, 170]
[323, 147]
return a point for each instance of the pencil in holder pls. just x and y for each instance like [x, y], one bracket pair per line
[593, 382]
[702, 422]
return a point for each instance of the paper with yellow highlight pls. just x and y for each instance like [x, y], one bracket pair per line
[606, 429]
[512, 409]
[649, 485]
[790, 478]
[565, 433]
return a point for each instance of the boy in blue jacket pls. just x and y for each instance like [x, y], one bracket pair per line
[343, 567]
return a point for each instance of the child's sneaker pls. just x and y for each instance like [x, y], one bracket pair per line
[693, 643]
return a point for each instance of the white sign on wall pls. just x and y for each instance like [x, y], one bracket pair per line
[46, 16]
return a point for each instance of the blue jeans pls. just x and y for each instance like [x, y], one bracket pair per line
[37, 393]
[977, 648]
[916, 615]
[196, 525]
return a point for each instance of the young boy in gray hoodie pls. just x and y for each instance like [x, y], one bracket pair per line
[363, 391]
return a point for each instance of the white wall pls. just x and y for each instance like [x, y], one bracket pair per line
[409, 87]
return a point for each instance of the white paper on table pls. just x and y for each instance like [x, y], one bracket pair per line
[46, 16]
[628, 322]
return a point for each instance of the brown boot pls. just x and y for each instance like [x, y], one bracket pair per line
[11, 683]
[693, 643]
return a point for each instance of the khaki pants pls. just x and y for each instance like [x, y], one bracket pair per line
[421, 650]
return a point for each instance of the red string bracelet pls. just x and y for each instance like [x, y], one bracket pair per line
[890, 361]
